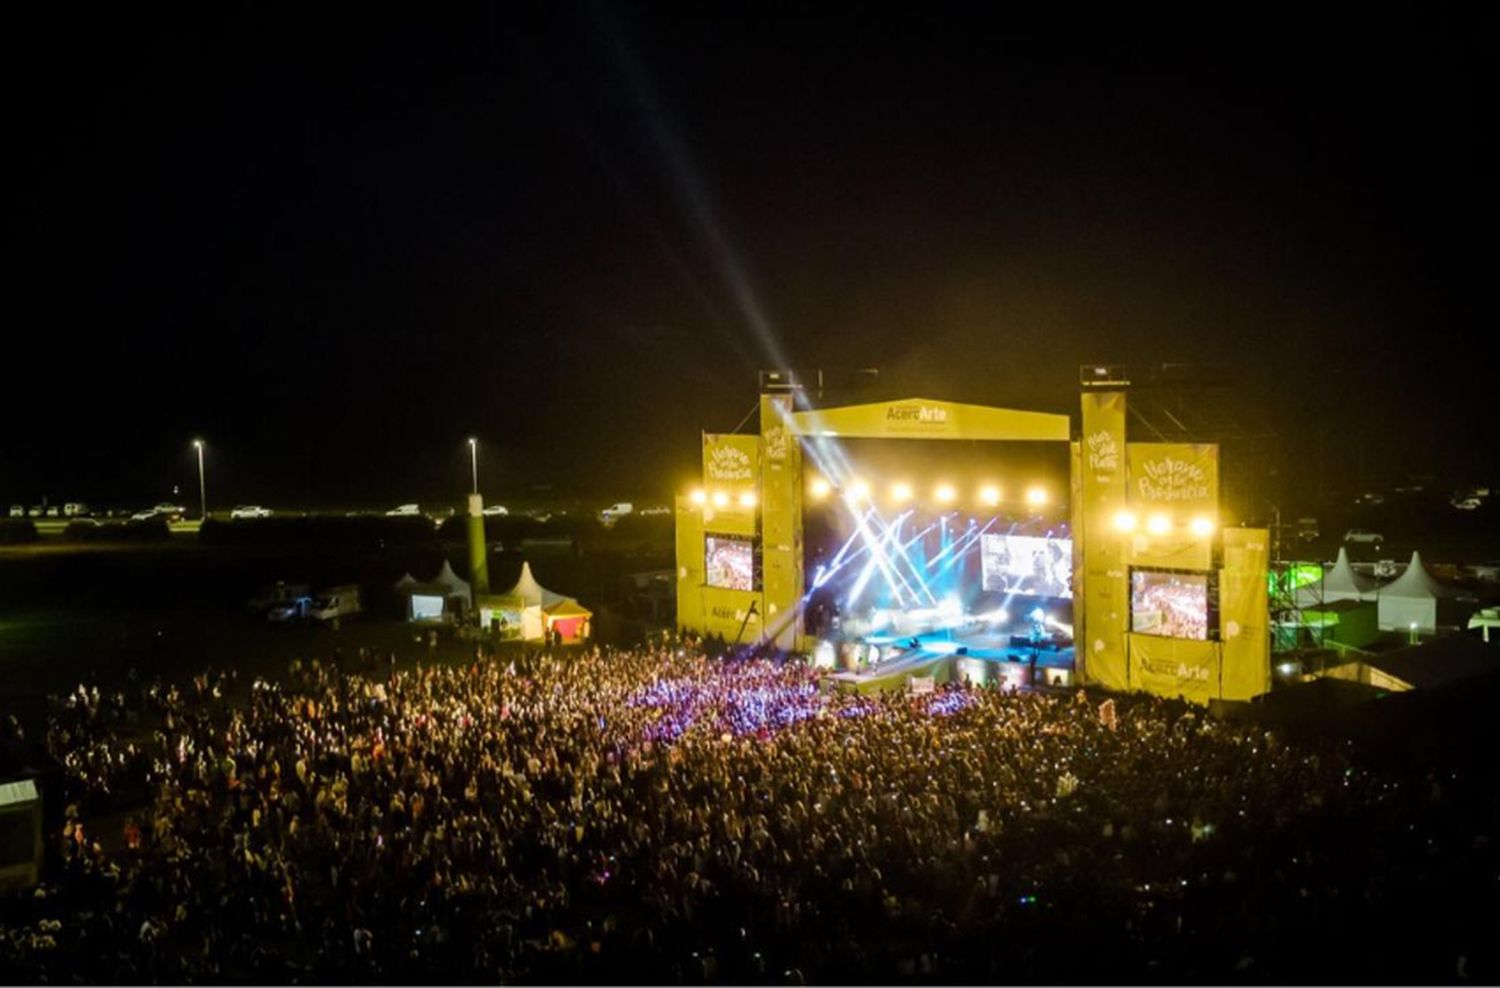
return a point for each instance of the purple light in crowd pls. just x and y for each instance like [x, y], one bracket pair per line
[756, 699]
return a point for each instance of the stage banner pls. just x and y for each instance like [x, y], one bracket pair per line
[731, 462]
[731, 470]
[1244, 612]
[928, 418]
[1180, 481]
[1105, 578]
[689, 565]
[1175, 667]
[737, 616]
[781, 522]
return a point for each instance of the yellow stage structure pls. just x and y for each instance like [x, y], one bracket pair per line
[1137, 508]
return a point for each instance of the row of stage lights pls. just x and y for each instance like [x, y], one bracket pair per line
[859, 491]
[902, 492]
[1161, 523]
[723, 499]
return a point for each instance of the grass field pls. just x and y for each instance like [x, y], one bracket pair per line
[71, 612]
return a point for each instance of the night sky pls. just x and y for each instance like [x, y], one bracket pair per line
[336, 243]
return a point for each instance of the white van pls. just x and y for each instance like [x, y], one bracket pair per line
[615, 512]
[336, 602]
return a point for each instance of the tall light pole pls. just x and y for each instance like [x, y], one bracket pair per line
[202, 487]
[474, 461]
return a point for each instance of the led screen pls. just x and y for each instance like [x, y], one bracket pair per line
[1027, 565]
[729, 563]
[1173, 605]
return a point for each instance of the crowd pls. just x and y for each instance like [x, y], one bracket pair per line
[657, 815]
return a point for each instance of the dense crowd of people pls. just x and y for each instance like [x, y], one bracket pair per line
[658, 815]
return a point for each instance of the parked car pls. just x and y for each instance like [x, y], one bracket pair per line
[1307, 529]
[335, 603]
[1487, 571]
[145, 515]
[490, 510]
[1364, 536]
[615, 512]
[1386, 568]
[278, 594]
[295, 609]
[75, 509]
[405, 511]
[171, 512]
[1466, 503]
[18, 511]
[250, 511]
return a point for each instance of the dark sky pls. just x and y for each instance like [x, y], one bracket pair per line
[337, 242]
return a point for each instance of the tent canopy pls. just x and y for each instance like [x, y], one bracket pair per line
[1342, 580]
[532, 592]
[567, 608]
[446, 584]
[456, 586]
[1416, 583]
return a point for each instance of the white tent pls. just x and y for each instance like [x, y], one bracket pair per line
[531, 592]
[1411, 599]
[457, 587]
[1343, 583]
[444, 597]
[535, 604]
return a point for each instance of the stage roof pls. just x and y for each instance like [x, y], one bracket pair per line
[927, 418]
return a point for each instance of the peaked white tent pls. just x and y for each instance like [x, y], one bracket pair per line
[1412, 599]
[532, 609]
[1343, 583]
[531, 592]
[444, 597]
[457, 586]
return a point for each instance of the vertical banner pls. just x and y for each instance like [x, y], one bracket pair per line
[689, 566]
[1180, 482]
[1175, 667]
[1244, 613]
[731, 462]
[1106, 597]
[781, 521]
[731, 470]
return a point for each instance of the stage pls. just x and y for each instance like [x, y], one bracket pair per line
[982, 659]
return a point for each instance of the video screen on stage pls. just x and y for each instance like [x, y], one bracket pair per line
[1027, 565]
[729, 562]
[1173, 605]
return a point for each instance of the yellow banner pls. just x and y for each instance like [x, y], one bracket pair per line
[781, 522]
[1101, 493]
[689, 565]
[1172, 485]
[929, 418]
[1244, 613]
[1175, 667]
[731, 462]
[734, 615]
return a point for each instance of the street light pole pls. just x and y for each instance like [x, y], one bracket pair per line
[474, 461]
[202, 487]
